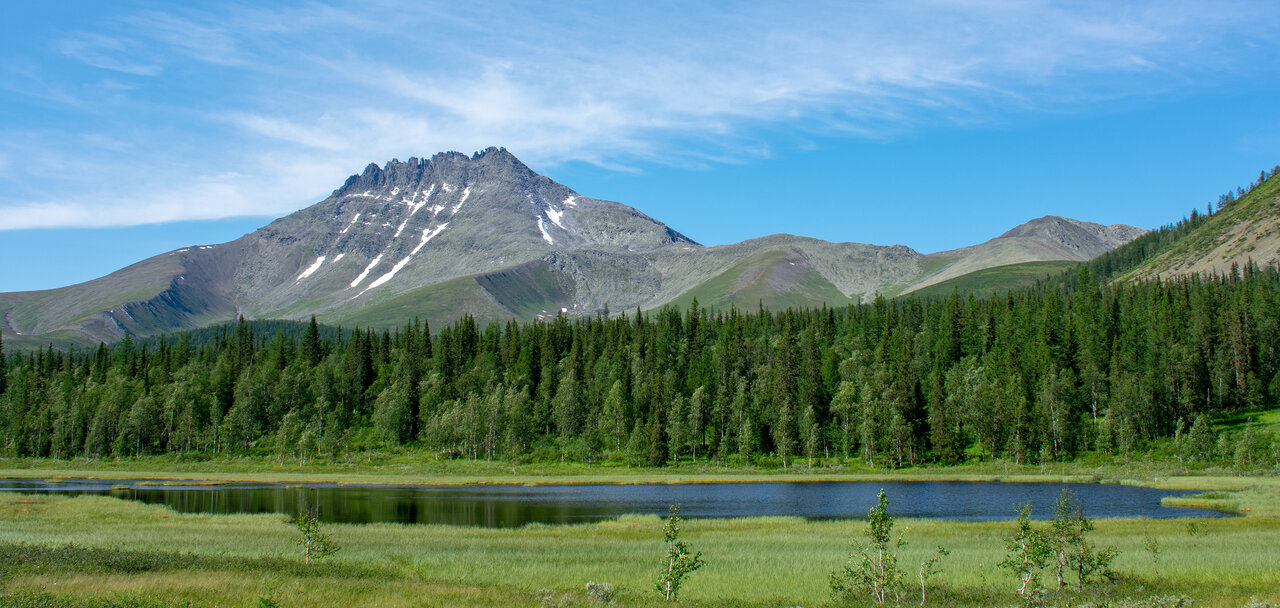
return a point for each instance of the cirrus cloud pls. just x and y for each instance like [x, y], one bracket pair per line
[229, 110]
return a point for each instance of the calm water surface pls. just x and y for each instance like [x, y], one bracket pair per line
[501, 506]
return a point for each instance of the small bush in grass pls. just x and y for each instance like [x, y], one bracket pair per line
[678, 562]
[550, 599]
[1029, 551]
[872, 570]
[315, 543]
[1072, 552]
[600, 592]
[1152, 545]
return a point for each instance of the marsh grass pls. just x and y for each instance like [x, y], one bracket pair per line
[102, 548]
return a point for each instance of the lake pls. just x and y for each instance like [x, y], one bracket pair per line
[502, 506]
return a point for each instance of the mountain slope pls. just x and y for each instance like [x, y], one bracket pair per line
[997, 279]
[1049, 238]
[1246, 230]
[486, 235]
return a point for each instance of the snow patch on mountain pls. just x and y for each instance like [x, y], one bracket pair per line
[546, 236]
[311, 269]
[337, 257]
[401, 227]
[413, 208]
[466, 192]
[555, 216]
[572, 201]
[353, 223]
[427, 235]
[368, 268]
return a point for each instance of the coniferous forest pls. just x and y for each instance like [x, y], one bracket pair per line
[1042, 374]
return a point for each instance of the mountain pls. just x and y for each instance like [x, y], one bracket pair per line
[484, 234]
[1048, 238]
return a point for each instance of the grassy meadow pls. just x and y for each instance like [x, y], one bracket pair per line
[91, 550]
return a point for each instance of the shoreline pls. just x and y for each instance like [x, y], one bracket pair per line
[486, 474]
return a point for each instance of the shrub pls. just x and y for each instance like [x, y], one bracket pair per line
[1071, 551]
[678, 563]
[1029, 552]
[872, 570]
[600, 592]
[315, 544]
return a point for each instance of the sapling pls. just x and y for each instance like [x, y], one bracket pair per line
[1029, 552]
[1071, 551]
[678, 562]
[872, 570]
[1152, 545]
[929, 567]
[315, 544]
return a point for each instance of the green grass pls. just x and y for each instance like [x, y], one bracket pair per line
[1263, 420]
[438, 304]
[999, 279]
[408, 465]
[165, 557]
[766, 277]
[102, 546]
[529, 289]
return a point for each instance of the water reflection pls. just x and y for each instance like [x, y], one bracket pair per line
[501, 506]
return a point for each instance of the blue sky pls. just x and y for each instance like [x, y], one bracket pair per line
[132, 128]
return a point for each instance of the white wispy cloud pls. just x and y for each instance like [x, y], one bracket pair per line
[332, 86]
[107, 52]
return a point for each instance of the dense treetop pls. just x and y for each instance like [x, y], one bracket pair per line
[1039, 374]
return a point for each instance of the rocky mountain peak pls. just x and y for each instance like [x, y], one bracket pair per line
[405, 224]
[1078, 239]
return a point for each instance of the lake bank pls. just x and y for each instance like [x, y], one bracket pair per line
[495, 505]
[380, 469]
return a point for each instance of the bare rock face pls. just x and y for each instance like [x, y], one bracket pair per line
[484, 234]
[1072, 238]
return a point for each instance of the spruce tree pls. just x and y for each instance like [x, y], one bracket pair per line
[311, 349]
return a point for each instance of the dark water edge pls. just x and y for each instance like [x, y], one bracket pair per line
[506, 506]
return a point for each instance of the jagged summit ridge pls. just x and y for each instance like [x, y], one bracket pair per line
[407, 224]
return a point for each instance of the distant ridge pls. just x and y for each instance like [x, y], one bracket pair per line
[482, 234]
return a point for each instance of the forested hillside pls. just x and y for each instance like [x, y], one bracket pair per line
[1040, 374]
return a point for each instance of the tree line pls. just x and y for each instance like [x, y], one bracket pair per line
[1041, 374]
